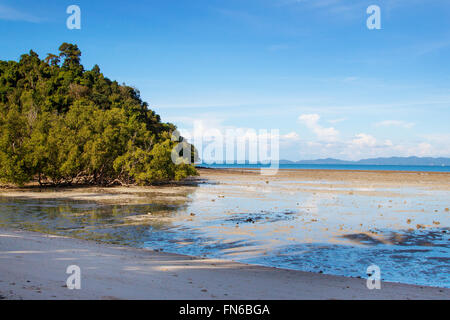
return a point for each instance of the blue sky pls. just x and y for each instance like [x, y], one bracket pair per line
[310, 68]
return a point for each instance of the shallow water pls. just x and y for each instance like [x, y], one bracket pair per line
[403, 231]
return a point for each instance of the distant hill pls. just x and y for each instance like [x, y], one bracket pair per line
[61, 124]
[392, 161]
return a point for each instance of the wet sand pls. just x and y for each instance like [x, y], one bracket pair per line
[303, 180]
[432, 180]
[121, 272]
[33, 266]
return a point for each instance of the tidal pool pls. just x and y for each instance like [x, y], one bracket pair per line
[324, 229]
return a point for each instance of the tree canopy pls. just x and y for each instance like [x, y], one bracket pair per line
[60, 123]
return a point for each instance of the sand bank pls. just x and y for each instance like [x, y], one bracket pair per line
[351, 178]
[335, 181]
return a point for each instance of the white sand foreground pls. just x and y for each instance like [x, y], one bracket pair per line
[33, 266]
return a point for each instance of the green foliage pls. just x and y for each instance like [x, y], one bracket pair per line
[62, 124]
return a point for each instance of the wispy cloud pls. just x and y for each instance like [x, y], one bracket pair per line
[333, 7]
[278, 47]
[333, 121]
[395, 123]
[241, 16]
[12, 14]
[430, 47]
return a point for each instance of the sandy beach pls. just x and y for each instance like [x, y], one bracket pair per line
[33, 265]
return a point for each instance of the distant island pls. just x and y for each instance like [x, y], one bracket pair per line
[392, 161]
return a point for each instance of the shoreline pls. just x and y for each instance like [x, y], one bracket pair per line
[330, 170]
[256, 170]
[227, 184]
[33, 266]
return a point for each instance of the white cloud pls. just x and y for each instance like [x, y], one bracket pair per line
[424, 149]
[209, 133]
[291, 136]
[365, 145]
[323, 134]
[364, 140]
[327, 142]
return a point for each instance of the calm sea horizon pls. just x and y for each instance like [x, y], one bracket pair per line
[333, 167]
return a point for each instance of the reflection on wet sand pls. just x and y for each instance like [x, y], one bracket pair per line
[330, 222]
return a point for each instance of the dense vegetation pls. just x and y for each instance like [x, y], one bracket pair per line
[61, 124]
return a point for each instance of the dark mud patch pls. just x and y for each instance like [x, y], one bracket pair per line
[262, 217]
